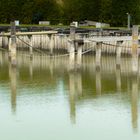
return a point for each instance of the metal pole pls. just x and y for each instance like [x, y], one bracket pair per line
[128, 21]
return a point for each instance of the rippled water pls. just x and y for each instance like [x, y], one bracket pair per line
[44, 100]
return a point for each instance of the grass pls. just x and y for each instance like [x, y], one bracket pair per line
[63, 26]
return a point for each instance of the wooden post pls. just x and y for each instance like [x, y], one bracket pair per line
[135, 48]
[72, 54]
[118, 54]
[72, 32]
[98, 55]
[12, 44]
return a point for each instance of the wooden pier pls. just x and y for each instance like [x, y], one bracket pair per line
[73, 45]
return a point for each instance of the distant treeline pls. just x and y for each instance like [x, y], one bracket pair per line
[65, 11]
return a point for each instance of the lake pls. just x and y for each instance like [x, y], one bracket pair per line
[44, 99]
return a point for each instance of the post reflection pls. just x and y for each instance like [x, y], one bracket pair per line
[85, 79]
[118, 79]
[13, 84]
[31, 68]
[134, 103]
[75, 91]
[98, 82]
[72, 97]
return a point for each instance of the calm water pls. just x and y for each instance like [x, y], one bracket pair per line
[43, 100]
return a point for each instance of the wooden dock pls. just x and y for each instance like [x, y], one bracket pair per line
[29, 33]
[74, 45]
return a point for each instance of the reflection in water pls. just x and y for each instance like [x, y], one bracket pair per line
[75, 91]
[42, 75]
[13, 83]
[134, 102]
[79, 83]
[118, 79]
[31, 68]
[72, 97]
[98, 82]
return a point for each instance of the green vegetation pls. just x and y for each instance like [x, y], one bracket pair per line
[65, 11]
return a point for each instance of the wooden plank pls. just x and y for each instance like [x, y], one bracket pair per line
[30, 33]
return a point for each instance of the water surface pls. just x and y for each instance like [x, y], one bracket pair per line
[44, 99]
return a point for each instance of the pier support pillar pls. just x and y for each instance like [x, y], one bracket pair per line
[72, 33]
[31, 48]
[72, 55]
[135, 49]
[12, 45]
[118, 54]
[98, 55]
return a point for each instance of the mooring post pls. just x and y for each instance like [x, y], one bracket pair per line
[98, 55]
[118, 54]
[135, 48]
[12, 44]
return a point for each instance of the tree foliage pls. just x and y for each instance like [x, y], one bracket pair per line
[65, 11]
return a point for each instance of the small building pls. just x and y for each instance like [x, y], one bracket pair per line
[93, 23]
[74, 24]
[44, 22]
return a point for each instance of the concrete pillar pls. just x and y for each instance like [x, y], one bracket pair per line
[72, 55]
[98, 55]
[12, 44]
[135, 49]
[118, 54]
